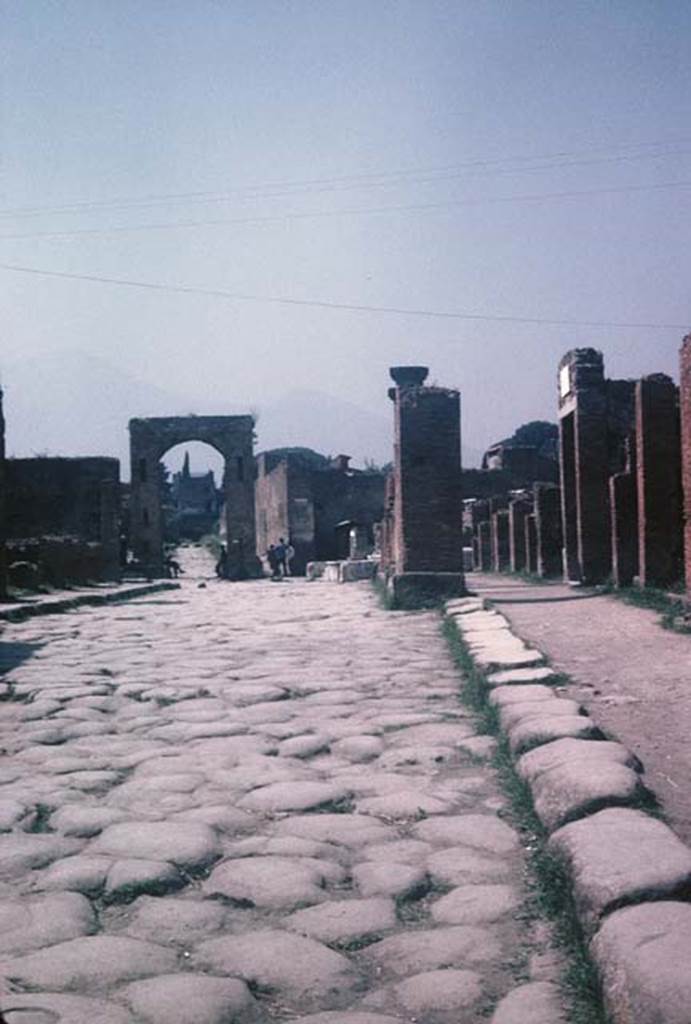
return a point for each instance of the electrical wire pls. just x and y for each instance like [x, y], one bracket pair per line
[350, 307]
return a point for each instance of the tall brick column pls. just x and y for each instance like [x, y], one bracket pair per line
[484, 546]
[501, 549]
[519, 508]
[685, 402]
[428, 534]
[531, 559]
[547, 504]
[624, 520]
[658, 466]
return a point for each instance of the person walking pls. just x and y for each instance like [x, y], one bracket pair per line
[272, 559]
[290, 554]
[281, 557]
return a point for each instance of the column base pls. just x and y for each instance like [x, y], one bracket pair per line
[425, 589]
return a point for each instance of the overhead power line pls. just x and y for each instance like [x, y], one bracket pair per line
[362, 182]
[355, 212]
[347, 306]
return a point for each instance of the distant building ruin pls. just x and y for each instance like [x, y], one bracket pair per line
[233, 438]
[315, 503]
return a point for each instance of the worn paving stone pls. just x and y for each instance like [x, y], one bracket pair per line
[339, 1017]
[28, 924]
[344, 921]
[571, 777]
[297, 968]
[475, 904]
[190, 999]
[94, 964]
[431, 993]
[84, 822]
[294, 796]
[481, 831]
[432, 949]
[642, 954]
[521, 676]
[458, 865]
[128, 878]
[536, 1002]
[621, 856]
[272, 882]
[23, 852]
[546, 728]
[183, 922]
[189, 846]
[381, 879]
[57, 1008]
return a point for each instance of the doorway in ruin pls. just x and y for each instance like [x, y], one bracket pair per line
[232, 437]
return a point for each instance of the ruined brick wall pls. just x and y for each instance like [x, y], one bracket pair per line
[685, 402]
[70, 498]
[427, 459]
[658, 466]
[271, 505]
[501, 547]
[519, 508]
[344, 495]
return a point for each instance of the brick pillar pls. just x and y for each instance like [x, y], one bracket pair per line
[685, 402]
[519, 508]
[428, 535]
[660, 531]
[479, 514]
[484, 542]
[501, 555]
[548, 519]
[584, 466]
[624, 519]
[531, 559]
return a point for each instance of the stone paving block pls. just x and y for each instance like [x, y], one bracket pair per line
[385, 879]
[481, 831]
[56, 1008]
[572, 777]
[21, 852]
[620, 856]
[294, 967]
[131, 877]
[513, 714]
[475, 904]
[30, 923]
[406, 804]
[180, 921]
[189, 846]
[458, 865]
[77, 874]
[345, 921]
[399, 851]
[359, 748]
[294, 796]
[335, 828]
[190, 999]
[431, 949]
[339, 1017]
[84, 822]
[431, 993]
[11, 814]
[532, 732]
[277, 883]
[642, 954]
[304, 746]
[94, 963]
[536, 1002]
[500, 696]
[520, 676]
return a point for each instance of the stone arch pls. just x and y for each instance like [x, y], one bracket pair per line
[233, 439]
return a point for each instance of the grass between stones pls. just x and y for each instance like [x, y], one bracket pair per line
[549, 890]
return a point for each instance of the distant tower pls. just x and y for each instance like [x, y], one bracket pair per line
[186, 467]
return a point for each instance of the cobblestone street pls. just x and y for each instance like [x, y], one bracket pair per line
[250, 802]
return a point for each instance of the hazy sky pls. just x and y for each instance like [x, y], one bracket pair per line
[387, 153]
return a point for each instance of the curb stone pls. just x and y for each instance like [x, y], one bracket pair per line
[630, 874]
[54, 606]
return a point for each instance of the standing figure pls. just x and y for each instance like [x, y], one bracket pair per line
[272, 559]
[281, 557]
[290, 554]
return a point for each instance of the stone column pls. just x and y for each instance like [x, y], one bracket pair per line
[624, 519]
[484, 542]
[531, 560]
[584, 466]
[658, 466]
[428, 539]
[501, 552]
[547, 504]
[519, 508]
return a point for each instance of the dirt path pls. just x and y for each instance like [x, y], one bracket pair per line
[633, 676]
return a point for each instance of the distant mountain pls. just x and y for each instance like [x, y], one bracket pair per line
[72, 403]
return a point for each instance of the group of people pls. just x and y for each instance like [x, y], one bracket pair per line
[279, 557]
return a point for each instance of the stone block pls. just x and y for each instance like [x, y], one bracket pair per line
[642, 954]
[621, 856]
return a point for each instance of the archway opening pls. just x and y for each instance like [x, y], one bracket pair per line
[192, 505]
